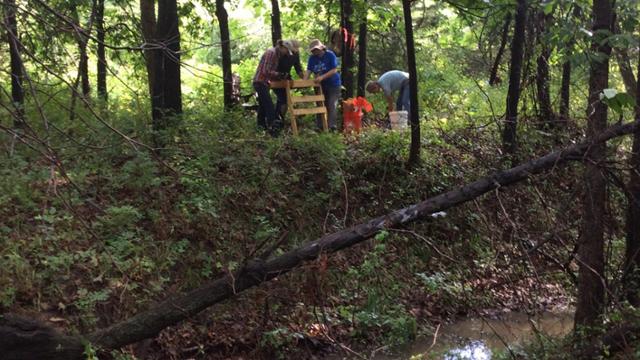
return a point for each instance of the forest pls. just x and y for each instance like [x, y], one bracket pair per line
[170, 189]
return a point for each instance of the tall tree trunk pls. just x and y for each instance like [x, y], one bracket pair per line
[624, 62]
[626, 72]
[102, 59]
[225, 40]
[632, 258]
[276, 26]
[17, 75]
[347, 48]
[362, 53]
[414, 150]
[82, 39]
[167, 95]
[542, 72]
[148, 28]
[590, 306]
[565, 91]
[509, 142]
[84, 68]
[493, 76]
[565, 87]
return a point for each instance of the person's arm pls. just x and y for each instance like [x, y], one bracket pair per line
[326, 75]
[271, 64]
[298, 66]
[308, 72]
[390, 103]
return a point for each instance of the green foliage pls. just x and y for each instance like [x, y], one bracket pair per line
[617, 101]
[280, 340]
[442, 284]
[120, 218]
[86, 303]
[379, 313]
[90, 352]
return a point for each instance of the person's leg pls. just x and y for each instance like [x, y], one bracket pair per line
[331, 97]
[266, 106]
[262, 125]
[281, 103]
[281, 108]
[404, 98]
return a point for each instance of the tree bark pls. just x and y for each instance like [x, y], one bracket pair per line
[509, 142]
[546, 114]
[84, 69]
[102, 59]
[362, 53]
[167, 95]
[565, 87]
[171, 311]
[347, 48]
[414, 150]
[22, 339]
[493, 76]
[631, 279]
[626, 72]
[82, 40]
[623, 60]
[225, 41]
[17, 68]
[148, 28]
[565, 91]
[276, 26]
[591, 280]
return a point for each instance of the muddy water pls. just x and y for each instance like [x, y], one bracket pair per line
[480, 338]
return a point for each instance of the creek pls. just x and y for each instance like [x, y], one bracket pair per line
[481, 338]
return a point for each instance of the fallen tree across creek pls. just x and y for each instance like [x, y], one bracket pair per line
[24, 339]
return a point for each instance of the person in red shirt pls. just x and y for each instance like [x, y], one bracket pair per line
[266, 72]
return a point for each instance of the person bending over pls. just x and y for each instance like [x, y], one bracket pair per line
[267, 72]
[390, 82]
[285, 63]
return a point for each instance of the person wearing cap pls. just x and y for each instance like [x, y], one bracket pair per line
[323, 63]
[285, 63]
[266, 72]
[390, 82]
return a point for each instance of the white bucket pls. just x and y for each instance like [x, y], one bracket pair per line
[398, 119]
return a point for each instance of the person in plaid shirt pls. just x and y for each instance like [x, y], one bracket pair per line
[268, 71]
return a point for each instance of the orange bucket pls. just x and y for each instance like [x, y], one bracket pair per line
[352, 118]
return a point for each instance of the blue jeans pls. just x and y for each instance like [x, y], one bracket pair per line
[404, 98]
[331, 97]
[266, 111]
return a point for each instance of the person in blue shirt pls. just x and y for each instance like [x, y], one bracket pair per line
[323, 63]
[390, 82]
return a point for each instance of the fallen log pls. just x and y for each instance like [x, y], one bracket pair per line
[23, 339]
[150, 322]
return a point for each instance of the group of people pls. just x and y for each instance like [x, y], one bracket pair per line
[276, 64]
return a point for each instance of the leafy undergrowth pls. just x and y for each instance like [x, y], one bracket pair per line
[119, 229]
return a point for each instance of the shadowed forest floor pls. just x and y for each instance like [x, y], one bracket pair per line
[140, 230]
